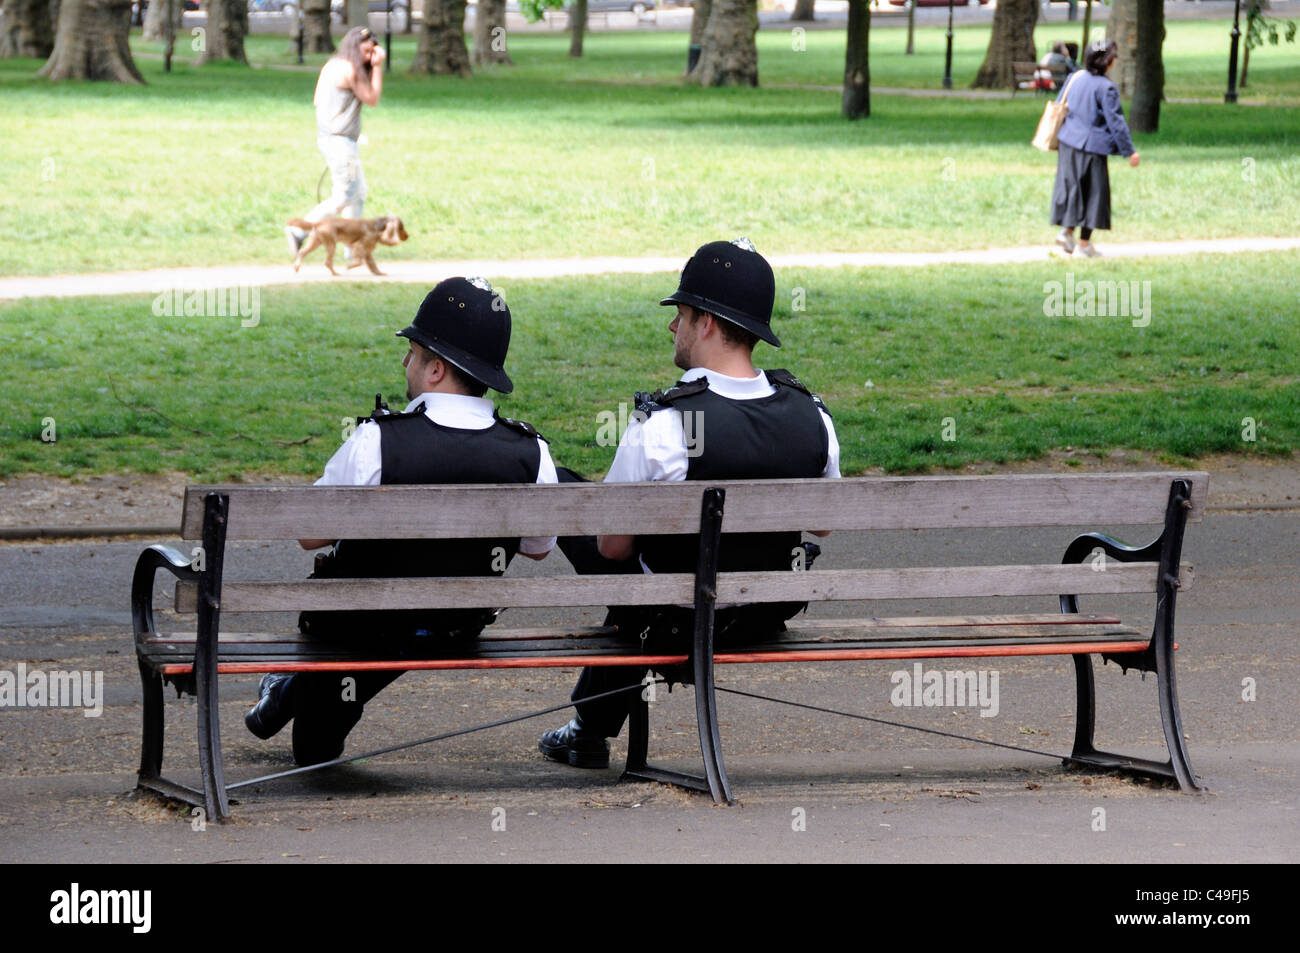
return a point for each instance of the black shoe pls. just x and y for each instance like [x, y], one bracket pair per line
[572, 745]
[274, 707]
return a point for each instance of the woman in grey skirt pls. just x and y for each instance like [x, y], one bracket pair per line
[1094, 128]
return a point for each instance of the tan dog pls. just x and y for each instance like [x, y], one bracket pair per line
[359, 234]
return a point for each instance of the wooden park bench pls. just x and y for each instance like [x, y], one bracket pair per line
[1093, 564]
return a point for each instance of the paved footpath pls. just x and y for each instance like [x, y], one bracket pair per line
[812, 788]
[431, 272]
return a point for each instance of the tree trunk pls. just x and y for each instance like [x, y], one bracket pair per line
[1245, 67]
[1149, 78]
[90, 43]
[1087, 29]
[856, 102]
[441, 50]
[26, 29]
[803, 11]
[911, 29]
[1012, 41]
[1121, 26]
[577, 26]
[490, 34]
[316, 26]
[227, 27]
[699, 23]
[730, 56]
[155, 26]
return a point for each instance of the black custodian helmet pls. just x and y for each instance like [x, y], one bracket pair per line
[467, 324]
[733, 281]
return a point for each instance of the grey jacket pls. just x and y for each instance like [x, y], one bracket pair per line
[1095, 122]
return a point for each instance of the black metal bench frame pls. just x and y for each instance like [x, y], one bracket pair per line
[1155, 654]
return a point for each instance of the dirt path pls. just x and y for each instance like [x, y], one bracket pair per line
[431, 272]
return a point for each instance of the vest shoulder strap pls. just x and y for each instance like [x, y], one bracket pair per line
[519, 426]
[783, 378]
[380, 417]
[662, 399]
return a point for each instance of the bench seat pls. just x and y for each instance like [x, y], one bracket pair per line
[806, 640]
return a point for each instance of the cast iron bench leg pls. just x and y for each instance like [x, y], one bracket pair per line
[151, 683]
[706, 709]
[1159, 658]
[205, 657]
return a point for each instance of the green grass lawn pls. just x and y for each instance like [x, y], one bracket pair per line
[895, 352]
[614, 155]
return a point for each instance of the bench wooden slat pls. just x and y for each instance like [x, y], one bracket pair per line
[164, 656]
[832, 635]
[863, 503]
[678, 588]
[842, 630]
[535, 633]
[924, 650]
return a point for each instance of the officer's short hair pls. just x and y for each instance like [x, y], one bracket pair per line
[470, 385]
[733, 334]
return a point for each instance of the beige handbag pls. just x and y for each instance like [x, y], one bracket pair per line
[1054, 114]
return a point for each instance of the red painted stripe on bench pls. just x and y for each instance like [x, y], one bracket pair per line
[416, 665]
[970, 651]
[724, 658]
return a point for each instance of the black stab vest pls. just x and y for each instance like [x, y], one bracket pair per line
[414, 449]
[766, 438]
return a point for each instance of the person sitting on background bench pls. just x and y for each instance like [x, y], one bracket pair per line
[1055, 62]
[449, 433]
[723, 420]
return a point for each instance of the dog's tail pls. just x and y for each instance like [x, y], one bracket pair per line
[300, 223]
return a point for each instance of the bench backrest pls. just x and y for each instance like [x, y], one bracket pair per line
[866, 503]
[571, 509]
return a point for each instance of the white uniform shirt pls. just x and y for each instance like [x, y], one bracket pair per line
[655, 449]
[359, 463]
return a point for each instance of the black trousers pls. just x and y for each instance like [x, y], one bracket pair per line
[657, 629]
[328, 705]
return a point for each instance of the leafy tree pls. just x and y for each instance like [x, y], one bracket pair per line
[490, 34]
[441, 50]
[856, 102]
[227, 27]
[90, 42]
[26, 28]
[316, 26]
[1259, 28]
[729, 56]
[1012, 41]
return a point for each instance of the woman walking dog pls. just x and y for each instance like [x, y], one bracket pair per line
[1094, 128]
[349, 78]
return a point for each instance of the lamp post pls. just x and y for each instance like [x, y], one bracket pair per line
[947, 58]
[1231, 95]
[388, 36]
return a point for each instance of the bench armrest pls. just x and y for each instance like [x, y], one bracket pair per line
[146, 567]
[1082, 547]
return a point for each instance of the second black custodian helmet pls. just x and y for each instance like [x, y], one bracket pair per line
[467, 324]
[733, 281]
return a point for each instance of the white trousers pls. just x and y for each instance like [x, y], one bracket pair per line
[348, 185]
